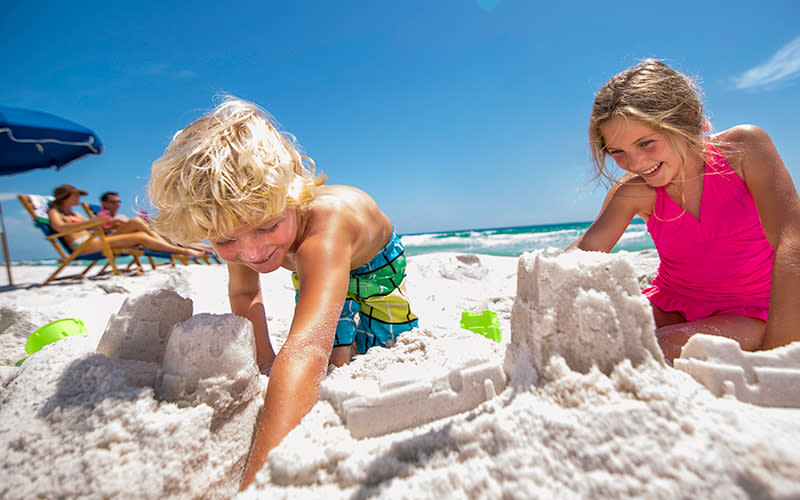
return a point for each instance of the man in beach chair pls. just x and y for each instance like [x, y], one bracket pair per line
[110, 202]
[38, 206]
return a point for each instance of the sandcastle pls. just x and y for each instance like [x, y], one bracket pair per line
[583, 306]
[434, 384]
[140, 329]
[762, 378]
[587, 308]
[210, 358]
[203, 359]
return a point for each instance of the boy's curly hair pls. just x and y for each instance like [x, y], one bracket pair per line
[232, 167]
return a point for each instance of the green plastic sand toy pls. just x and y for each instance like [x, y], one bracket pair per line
[484, 323]
[52, 332]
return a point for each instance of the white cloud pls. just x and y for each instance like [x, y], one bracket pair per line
[783, 65]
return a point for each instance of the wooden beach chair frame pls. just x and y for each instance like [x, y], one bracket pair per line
[68, 255]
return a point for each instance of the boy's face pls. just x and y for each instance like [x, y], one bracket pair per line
[261, 248]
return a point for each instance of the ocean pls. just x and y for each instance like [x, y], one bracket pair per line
[514, 241]
[502, 241]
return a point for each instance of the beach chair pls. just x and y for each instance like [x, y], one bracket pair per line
[92, 209]
[37, 206]
[151, 255]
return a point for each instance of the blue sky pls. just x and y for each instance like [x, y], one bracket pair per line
[452, 114]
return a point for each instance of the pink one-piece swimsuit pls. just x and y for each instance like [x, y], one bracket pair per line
[719, 264]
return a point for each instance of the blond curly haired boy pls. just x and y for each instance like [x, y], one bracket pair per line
[234, 179]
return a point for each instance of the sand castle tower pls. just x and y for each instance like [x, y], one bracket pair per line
[583, 306]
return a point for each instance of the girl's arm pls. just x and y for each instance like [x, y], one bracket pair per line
[779, 208]
[244, 295]
[628, 197]
[323, 265]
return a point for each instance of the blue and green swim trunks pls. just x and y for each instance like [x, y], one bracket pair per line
[377, 296]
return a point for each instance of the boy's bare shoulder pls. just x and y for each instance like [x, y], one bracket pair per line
[348, 213]
[337, 194]
[341, 203]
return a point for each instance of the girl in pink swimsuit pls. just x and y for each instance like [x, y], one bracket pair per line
[722, 210]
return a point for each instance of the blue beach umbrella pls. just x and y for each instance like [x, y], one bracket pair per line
[31, 139]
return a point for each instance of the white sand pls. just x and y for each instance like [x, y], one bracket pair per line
[577, 403]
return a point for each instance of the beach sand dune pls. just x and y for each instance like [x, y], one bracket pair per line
[575, 401]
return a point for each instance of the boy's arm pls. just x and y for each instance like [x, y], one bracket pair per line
[244, 295]
[779, 208]
[324, 270]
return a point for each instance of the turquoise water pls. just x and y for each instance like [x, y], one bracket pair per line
[121, 262]
[513, 241]
[505, 241]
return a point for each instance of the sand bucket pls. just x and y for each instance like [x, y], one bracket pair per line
[53, 332]
[484, 323]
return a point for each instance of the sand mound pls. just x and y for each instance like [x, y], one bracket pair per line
[94, 428]
[591, 412]
[574, 403]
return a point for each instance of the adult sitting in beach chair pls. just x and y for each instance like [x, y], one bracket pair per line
[121, 224]
[110, 202]
[154, 257]
[63, 218]
[38, 206]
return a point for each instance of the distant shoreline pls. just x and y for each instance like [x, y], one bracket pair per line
[505, 241]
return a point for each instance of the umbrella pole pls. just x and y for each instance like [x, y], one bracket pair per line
[5, 246]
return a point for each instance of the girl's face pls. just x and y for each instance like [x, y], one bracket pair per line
[262, 248]
[642, 150]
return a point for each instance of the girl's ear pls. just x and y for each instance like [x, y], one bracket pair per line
[705, 127]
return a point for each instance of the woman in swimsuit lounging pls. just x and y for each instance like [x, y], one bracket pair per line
[722, 210]
[63, 217]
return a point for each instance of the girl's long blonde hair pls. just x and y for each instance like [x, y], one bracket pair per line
[232, 167]
[658, 96]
